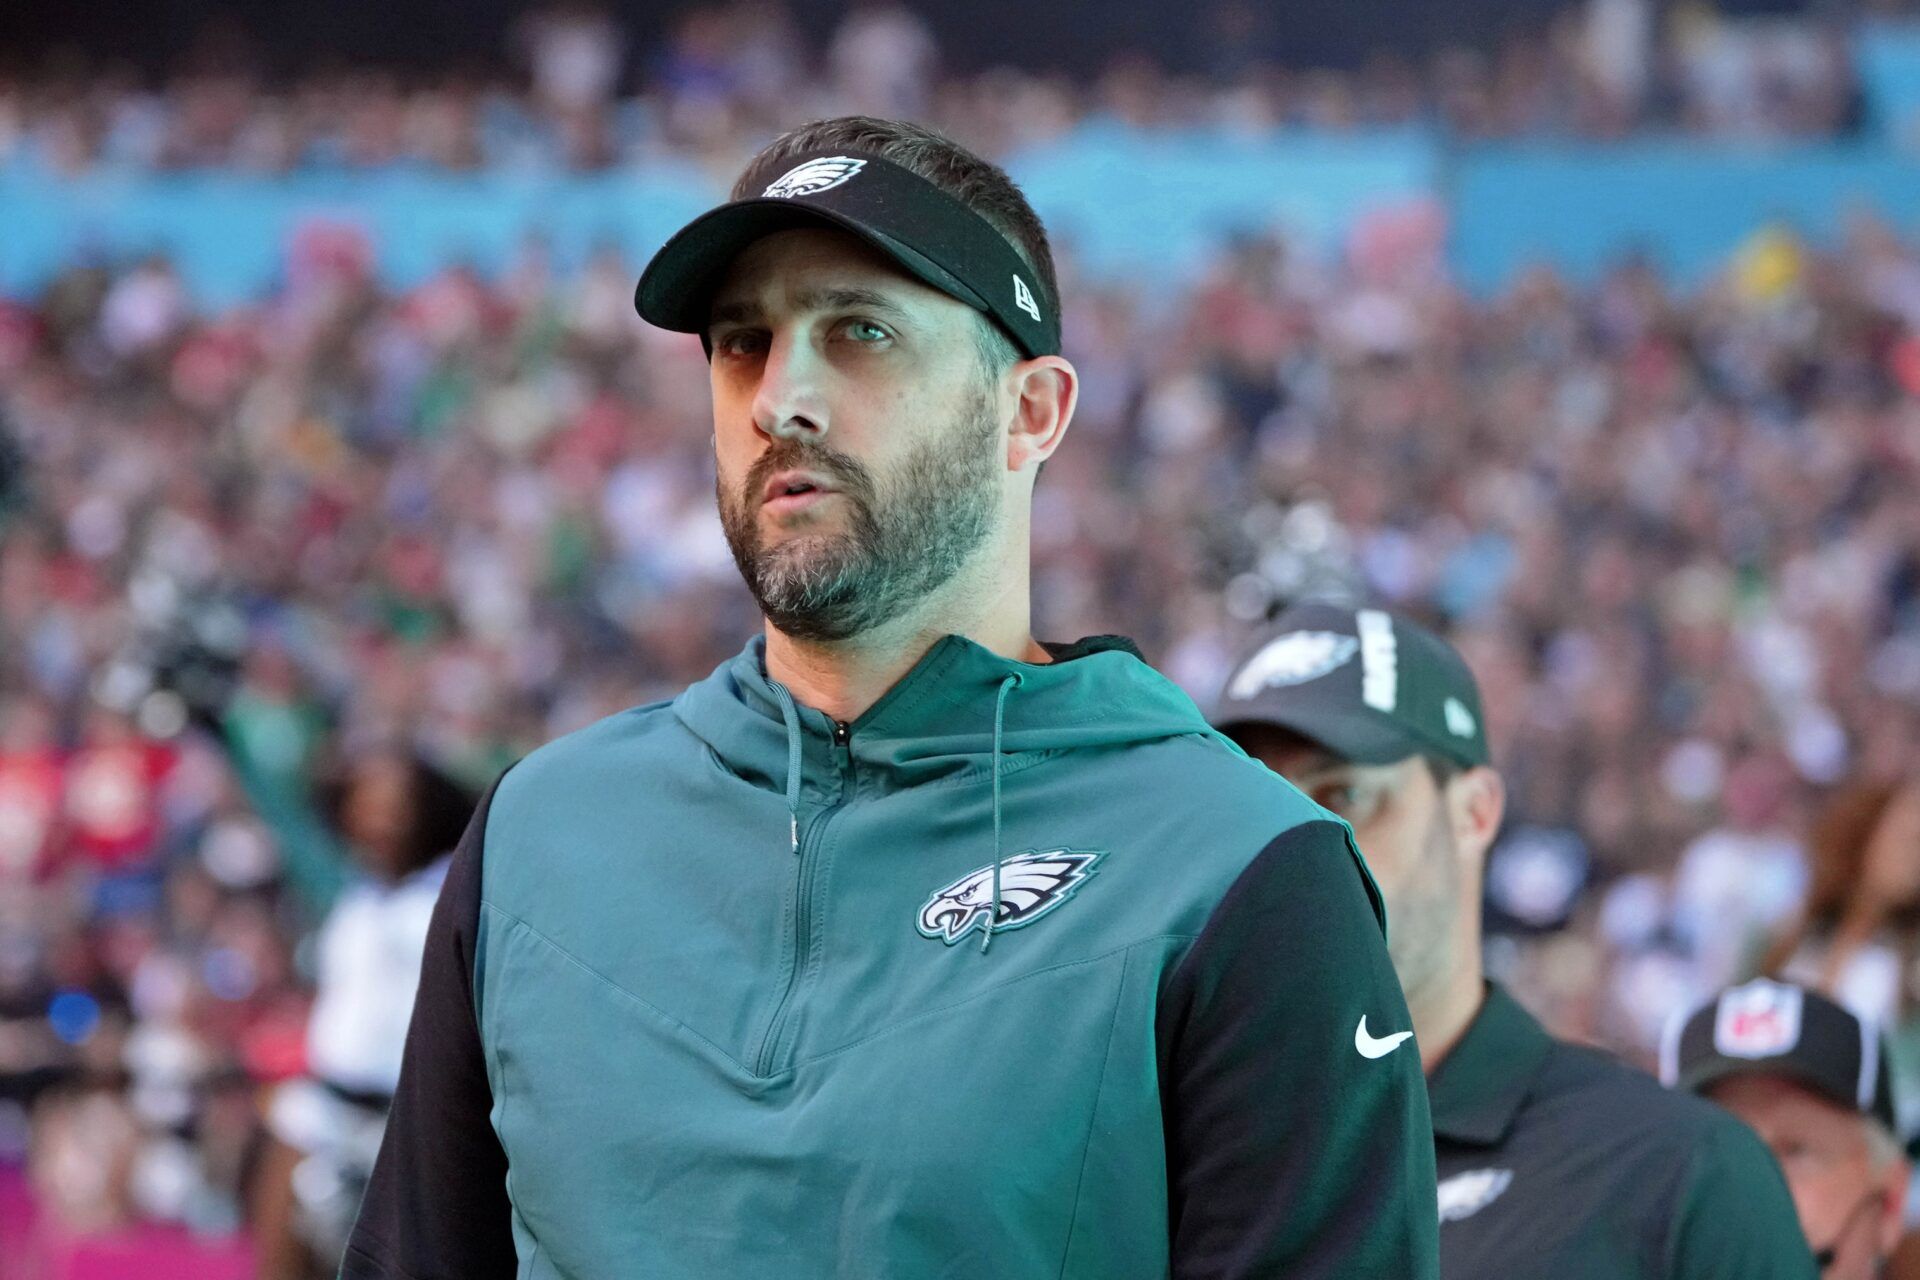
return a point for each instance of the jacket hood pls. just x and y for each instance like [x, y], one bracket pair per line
[938, 722]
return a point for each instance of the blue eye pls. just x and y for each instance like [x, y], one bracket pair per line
[866, 331]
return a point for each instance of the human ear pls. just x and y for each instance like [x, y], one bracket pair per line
[1046, 389]
[1476, 804]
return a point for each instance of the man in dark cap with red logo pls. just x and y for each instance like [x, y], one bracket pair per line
[1813, 1081]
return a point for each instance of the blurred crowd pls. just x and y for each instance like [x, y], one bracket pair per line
[575, 92]
[246, 553]
[263, 571]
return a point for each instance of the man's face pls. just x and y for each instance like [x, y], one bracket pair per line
[1400, 821]
[861, 454]
[1844, 1202]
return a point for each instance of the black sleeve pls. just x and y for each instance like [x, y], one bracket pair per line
[1289, 1152]
[436, 1207]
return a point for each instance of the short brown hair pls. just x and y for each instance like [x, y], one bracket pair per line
[980, 185]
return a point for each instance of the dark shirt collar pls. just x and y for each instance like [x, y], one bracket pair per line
[1480, 1086]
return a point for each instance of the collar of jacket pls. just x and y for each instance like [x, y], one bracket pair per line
[1480, 1087]
[936, 724]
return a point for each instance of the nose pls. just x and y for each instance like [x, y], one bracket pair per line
[789, 403]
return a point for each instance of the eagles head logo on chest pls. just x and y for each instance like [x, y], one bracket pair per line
[1031, 884]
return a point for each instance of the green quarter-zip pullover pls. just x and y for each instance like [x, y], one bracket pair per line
[1024, 973]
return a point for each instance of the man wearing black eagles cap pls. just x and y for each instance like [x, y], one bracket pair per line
[903, 945]
[1555, 1161]
[1814, 1082]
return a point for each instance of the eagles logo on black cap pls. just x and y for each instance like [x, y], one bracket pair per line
[813, 177]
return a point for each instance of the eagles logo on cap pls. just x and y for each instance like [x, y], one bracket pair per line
[814, 176]
[1295, 658]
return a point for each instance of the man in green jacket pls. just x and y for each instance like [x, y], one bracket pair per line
[903, 945]
[1555, 1161]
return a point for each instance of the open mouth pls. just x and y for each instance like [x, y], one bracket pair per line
[793, 491]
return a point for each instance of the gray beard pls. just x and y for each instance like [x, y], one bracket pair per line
[907, 536]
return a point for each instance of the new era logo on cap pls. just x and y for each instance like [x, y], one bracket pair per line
[817, 175]
[1023, 298]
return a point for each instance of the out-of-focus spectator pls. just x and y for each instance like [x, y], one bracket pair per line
[1858, 938]
[113, 781]
[401, 817]
[1810, 1078]
[884, 59]
[575, 52]
[1736, 885]
[727, 75]
[30, 788]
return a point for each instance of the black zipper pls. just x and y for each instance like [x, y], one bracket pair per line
[803, 903]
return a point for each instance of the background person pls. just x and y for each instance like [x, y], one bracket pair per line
[1815, 1083]
[1553, 1159]
[400, 818]
[1858, 936]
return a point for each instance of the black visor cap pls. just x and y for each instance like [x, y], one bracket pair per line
[932, 237]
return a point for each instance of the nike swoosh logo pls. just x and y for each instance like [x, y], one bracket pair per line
[1370, 1047]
